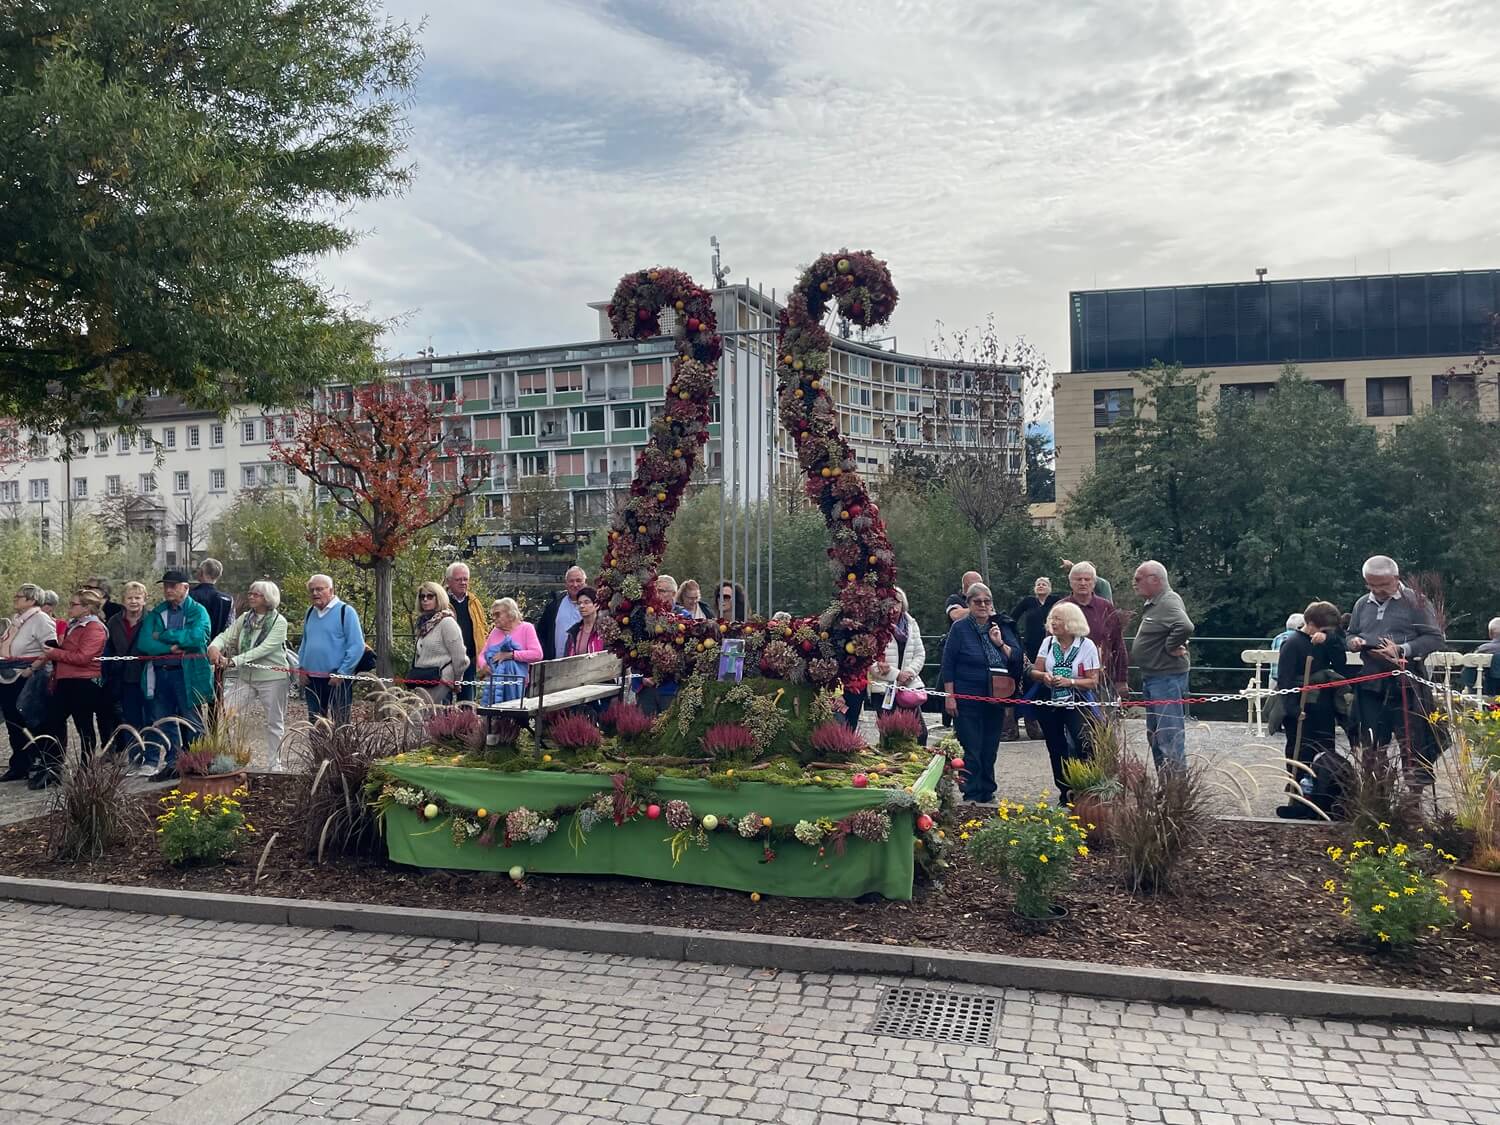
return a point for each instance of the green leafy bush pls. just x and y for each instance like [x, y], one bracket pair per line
[1031, 845]
[1388, 894]
[195, 828]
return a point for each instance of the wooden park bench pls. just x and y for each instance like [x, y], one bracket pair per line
[557, 685]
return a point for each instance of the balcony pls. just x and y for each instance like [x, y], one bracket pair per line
[596, 479]
[621, 476]
[553, 435]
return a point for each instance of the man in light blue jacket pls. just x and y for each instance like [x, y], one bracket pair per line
[333, 644]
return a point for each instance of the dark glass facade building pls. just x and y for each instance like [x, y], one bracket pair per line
[1376, 317]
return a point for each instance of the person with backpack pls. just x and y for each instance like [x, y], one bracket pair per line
[179, 681]
[251, 654]
[333, 645]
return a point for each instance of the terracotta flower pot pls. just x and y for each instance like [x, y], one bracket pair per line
[213, 785]
[1090, 808]
[1482, 911]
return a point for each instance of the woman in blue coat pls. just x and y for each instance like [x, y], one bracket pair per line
[980, 645]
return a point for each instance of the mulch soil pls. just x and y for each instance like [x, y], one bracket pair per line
[1249, 900]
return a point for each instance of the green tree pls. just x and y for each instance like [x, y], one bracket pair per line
[170, 168]
[264, 534]
[1041, 468]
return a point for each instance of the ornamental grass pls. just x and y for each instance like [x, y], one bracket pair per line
[90, 810]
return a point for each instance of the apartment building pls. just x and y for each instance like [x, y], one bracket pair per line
[1383, 343]
[575, 416]
[173, 474]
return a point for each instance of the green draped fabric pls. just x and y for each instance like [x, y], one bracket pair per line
[640, 847]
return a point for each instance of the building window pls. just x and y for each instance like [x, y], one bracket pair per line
[533, 382]
[1388, 398]
[80, 488]
[441, 390]
[634, 417]
[1334, 386]
[41, 489]
[216, 435]
[589, 420]
[169, 437]
[1249, 392]
[568, 378]
[288, 426]
[179, 482]
[111, 486]
[248, 476]
[193, 433]
[291, 477]
[148, 482]
[101, 444]
[122, 441]
[216, 480]
[247, 432]
[647, 374]
[533, 464]
[36, 448]
[10, 491]
[1457, 389]
[147, 441]
[521, 425]
[1112, 406]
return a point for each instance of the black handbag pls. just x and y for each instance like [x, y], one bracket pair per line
[33, 702]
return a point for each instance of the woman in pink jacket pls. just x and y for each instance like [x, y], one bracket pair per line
[76, 678]
[507, 653]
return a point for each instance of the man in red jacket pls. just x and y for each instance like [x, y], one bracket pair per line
[1105, 628]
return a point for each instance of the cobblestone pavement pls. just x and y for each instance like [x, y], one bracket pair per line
[120, 1018]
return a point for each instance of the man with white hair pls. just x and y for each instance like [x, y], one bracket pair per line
[1160, 651]
[561, 614]
[1391, 626]
[1106, 629]
[468, 609]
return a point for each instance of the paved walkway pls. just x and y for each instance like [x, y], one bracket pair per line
[120, 1018]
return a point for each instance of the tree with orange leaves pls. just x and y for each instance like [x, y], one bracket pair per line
[396, 463]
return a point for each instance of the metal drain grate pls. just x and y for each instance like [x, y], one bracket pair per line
[950, 1017]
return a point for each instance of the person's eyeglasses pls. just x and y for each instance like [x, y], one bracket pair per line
[428, 597]
[75, 605]
[981, 601]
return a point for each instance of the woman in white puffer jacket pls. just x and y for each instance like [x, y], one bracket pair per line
[900, 666]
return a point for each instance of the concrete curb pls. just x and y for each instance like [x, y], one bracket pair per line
[715, 947]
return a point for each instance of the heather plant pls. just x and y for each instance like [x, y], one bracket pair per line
[625, 720]
[459, 729]
[574, 731]
[900, 729]
[833, 741]
[728, 740]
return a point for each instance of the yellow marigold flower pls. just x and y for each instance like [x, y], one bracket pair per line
[1409, 890]
[1361, 844]
[1083, 849]
[1382, 826]
[963, 835]
[1381, 850]
[1057, 839]
[1014, 843]
[1449, 858]
[1042, 858]
[1466, 896]
[1391, 894]
[1378, 908]
[1399, 849]
[1434, 716]
[1330, 886]
[1382, 935]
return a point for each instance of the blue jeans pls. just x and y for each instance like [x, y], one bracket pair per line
[132, 708]
[173, 703]
[1164, 721]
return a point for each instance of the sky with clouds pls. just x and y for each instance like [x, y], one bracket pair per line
[998, 153]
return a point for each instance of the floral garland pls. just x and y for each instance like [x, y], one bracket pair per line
[644, 631]
[840, 643]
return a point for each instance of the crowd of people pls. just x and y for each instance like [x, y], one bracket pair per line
[144, 682]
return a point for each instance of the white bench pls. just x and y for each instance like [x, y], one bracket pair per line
[556, 685]
[1443, 666]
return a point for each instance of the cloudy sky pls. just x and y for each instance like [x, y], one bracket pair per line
[997, 153]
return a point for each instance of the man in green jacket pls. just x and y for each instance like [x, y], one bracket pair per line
[1160, 651]
[178, 678]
